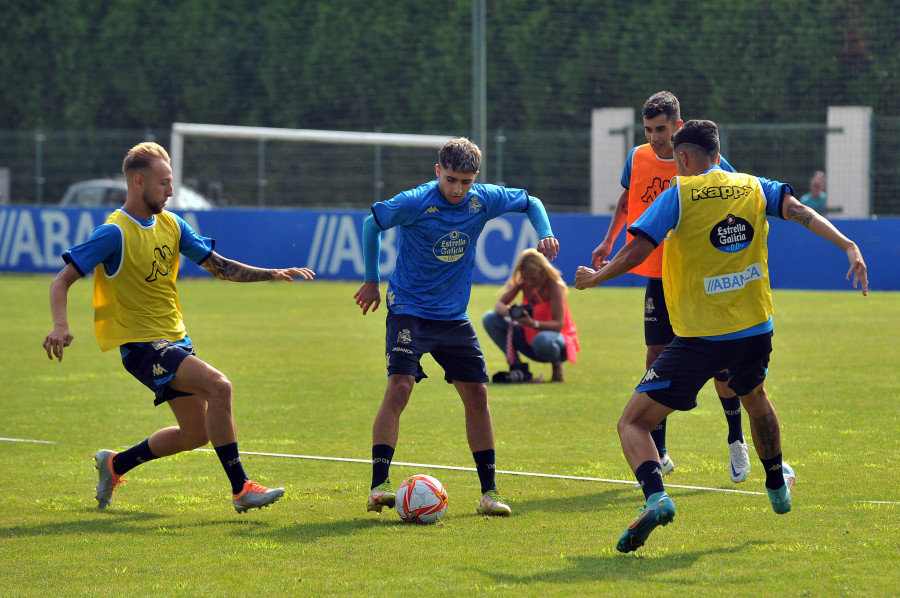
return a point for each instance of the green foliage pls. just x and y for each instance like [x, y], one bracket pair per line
[308, 372]
[405, 65]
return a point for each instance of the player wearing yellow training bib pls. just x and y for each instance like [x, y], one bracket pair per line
[717, 289]
[648, 171]
[135, 259]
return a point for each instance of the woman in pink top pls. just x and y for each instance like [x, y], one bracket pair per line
[541, 328]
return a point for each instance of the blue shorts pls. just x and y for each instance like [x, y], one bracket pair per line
[687, 364]
[452, 343]
[657, 327]
[155, 363]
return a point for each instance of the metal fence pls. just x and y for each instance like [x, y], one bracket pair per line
[552, 165]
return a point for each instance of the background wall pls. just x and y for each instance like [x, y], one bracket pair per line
[328, 241]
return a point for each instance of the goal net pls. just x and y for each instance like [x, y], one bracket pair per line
[262, 166]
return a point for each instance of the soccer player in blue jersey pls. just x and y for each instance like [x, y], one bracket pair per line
[135, 258]
[427, 296]
[716, 282]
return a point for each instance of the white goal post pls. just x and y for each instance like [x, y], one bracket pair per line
[182, 130]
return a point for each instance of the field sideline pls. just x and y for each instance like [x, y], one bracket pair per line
[308, 372]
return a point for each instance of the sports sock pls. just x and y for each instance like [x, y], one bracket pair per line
[128, 460]
[381, 463]
[774, 473]
[732, 408]
[658, 434]
[486, 468]
[649, 474]
[234, 469]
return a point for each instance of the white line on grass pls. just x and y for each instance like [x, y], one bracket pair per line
[523, 473]
[453, 467]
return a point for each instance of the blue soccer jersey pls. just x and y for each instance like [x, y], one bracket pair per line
[436, 244]
[105, 246]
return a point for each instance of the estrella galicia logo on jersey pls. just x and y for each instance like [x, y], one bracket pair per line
[654, 189]
[474, 205]
[720, 192]
[451, 246]
[731, 235]
[163, 264]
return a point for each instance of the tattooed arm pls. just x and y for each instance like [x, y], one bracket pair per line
[226, 269]
[794, 210]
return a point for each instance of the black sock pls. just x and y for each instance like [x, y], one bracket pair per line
[128, 460]
[234, 469]
[774, 474]
[658, 434]
[486, 468]
[649, 474]
[381, 463]
[732, 408]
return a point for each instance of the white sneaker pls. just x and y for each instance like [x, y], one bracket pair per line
[492, 504]
[740, 461]
[109, 481]
[666, 466]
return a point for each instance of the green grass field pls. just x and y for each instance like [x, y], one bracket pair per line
[308, 372]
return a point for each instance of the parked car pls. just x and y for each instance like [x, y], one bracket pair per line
[110, 193]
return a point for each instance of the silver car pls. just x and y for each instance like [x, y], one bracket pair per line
[110, 193]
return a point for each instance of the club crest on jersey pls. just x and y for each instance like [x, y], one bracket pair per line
[648, 305]
[451, 246]
[405, 337]
[474, 205]
[163, 346]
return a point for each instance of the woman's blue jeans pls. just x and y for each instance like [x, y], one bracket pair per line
[548, 346]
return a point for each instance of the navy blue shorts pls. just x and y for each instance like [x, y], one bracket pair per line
[452, 343]
[657, 327]
[687, 364]
[155, 363]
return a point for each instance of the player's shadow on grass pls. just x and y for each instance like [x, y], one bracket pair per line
[104, 522]
[613, 566]
[589, 503]
[312, 531]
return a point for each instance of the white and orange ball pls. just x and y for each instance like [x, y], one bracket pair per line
[421, 499]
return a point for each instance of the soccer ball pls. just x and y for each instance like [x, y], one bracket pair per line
[421, 499]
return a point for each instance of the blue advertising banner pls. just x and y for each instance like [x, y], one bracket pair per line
[329, 242]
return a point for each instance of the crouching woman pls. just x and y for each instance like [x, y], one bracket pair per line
[541, 328]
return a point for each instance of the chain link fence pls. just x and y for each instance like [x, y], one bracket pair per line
[552, 165]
